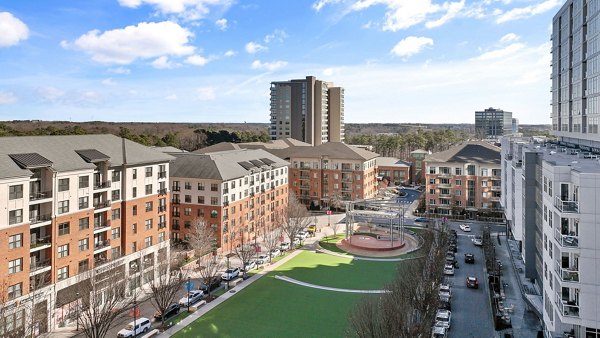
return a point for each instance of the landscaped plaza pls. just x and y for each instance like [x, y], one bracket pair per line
[273, 307]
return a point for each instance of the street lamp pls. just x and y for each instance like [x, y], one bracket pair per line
[134, 268]
[77, 308]
[188, 286]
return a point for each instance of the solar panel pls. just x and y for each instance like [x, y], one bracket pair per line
[30, 160]
[92, 155]
[257, 163]
[267, 161]
[246, 165]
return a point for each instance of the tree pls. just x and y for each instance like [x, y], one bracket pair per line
[103, 299]
[244, 251]
[335, 227]
[271, 239]
[165, 285]
[209, 267]
[202, 238]
[293, 217]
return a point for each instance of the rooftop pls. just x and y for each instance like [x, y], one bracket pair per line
[468, 152]
[579, 160]
[391, 162]
[334, 150]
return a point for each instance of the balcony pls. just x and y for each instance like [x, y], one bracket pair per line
[566, 206]
[101, 226]
[567, 308]
[102, 205]
[162, 225]
[40, 243]
[162, 191]
[176, 188]
[40, 195]
[176, 213]
[496, 188]
[445, 195]
[36, 219]
[348, 189]
[39, 266]
[518, 164]
[304, 187]
[346, 169]
[305, 166]
[162, 174]
[225, 203]
[251, 183]
[304, 177]
[101, 185]
[567, 274]
[226, 191]
[175, 201]
[162, 208]
[101, 245]
[444, 185]
[566, 241]
[225, 217]
[445, 175]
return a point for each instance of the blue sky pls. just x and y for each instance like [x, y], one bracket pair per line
[212, 60]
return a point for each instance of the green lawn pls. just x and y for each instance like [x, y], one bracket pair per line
[274, 308]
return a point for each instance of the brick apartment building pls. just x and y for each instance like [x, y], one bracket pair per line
[74, 203]
[464, 180]
[332, 171]
[393, 170]
[233, 191]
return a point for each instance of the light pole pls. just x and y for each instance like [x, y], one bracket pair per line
[77, 308]
[188, 286]
[134, 268]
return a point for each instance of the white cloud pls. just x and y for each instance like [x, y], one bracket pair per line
[197, 60]
[528, 11]
[230, 53]
[50, 94]
[186, 9]
[452, 10]
[163, 62]
[221, 24]
[109, 82]
[253, 47]
[500, 53]
[120, 70]
[510, 37]
[7, 97]
[411, 45]
[142, 41]
[171, 97]
[318, 5]
[277, 35]
[206, 93]
[269, 66]
[331, 71]
[12, 30]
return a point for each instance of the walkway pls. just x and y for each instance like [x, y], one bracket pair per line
[314, 286]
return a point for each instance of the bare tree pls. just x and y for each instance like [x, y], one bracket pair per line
[164, 286]
[271, 239]
[209, 267]
[103, 299]
[293, 217]
[202, 238]
[244, 251]
[335, 227]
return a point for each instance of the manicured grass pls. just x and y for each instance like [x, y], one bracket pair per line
[274, 308]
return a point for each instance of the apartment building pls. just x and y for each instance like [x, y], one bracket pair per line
[332, 171]
[464, 180]
[71, 204]
[236, 192]
[493, 123]
[393, 170]
[307, 110]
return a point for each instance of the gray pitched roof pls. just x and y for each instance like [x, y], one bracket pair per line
[61, 151]
[392, 161]
[334, 150]
[169, 149]
[468, 152]
[223, 165]
[223, 146]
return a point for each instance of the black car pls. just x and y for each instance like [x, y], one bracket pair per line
[445, 306]
[170, 311]
[469, 258]
[453, 248]
[214, 285]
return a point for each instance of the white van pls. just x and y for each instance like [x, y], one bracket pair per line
[141, 325]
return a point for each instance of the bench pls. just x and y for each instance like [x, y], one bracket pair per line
[151, 333]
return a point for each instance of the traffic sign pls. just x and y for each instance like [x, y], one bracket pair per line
[189, 286]
[329, 212]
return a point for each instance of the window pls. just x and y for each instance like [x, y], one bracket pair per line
[458, 182]
[134, 210]
[214, 201]
[115, 252]
[213, 214]
[116, 214]
[201, 186]
[15, 216]
[545, 184]
[134, 228]
[188, 198]
[15, 192]
[15, 291]
[134, 174]
[63, 207]
[432, 170]
[116, 233]
[187, 211]
[484, 172]
[84, 244]
[133, 246]
[63, 251]
[84, 182]
[458, 171]
[214, 187]
[188, 186]
[84, 202]
[148, 206]
[161, 237]
[63, 273]
[15, 241]
[63, 184]
[15, 266]
[116, 176]
[432, 181]
[457, 192]
[431, 191]
[63, 228]
[200, 199]
[148, 171]
[84, 265]
[116, 195]
[134, 192]
[200, 213]
[484, 183]
[148, 223]
[84, 223]
[550, 188]
[470, 169]
[148, 241]
[148, 189]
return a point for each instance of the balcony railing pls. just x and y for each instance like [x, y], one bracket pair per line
[162, 225]
[496, 188]
[176, 188]
[444, 185]
[162, 191]
[176, 213]
[304, 166]
[567, 308]
[162, 174]
[39, 219]
[101, 185]
[349, 189]
[36, 242]
[304, 186]
[39, 264]
[445, 195]
[101, 244]
[102, 205]
[176, 201]
[101, 225]
[566, 206]
[445, 175]
[40, 195]
[347, 169]
[567, 275]
[304, 177]
[162, 208]
[568, 241]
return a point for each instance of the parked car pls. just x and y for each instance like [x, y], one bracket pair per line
[284, 246]
[438, 331]
[312, 228]
[445, 293]
[214, 285]
[443, 318]
[450, 259]
[449, 270]
[421, 219]
[302, 235]
[472, 282]
[477, 240]
[469, 258]
[262, 259]
[465, 227]
[170, 311]
[230, 274]
[453, 247]
[296, 241]
[141, 325]
[275, 252]
[249, 265]
[445, 305]
[194, 297]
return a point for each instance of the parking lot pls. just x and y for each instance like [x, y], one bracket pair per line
[471, 311]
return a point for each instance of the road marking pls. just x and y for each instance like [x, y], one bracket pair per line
[314, 286]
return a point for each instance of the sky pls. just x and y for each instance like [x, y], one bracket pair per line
[399, 61]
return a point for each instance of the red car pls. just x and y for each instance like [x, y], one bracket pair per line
[472, 283]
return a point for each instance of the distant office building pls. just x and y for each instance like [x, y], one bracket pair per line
[307, 110]
[515, 126]
[417, 158]
[493, 123]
